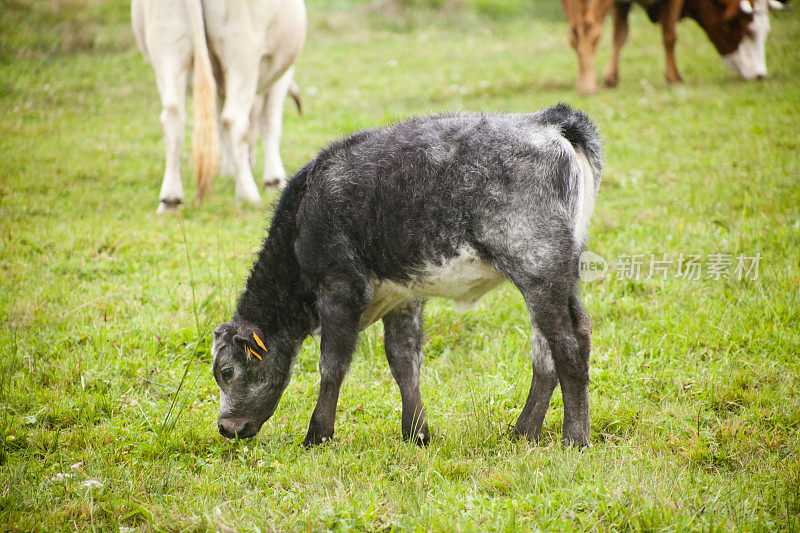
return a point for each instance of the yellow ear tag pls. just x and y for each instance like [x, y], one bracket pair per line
[252, 351]
[258, 341]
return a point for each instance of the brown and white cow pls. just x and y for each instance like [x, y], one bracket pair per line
[241, 51]
[737, 28]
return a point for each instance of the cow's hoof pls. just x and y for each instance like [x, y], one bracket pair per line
[274, 183]
[519, 433]
[168, 206]
[421, 438]
[610, 83]
[576, 439]
[579, 444]
[315, 440]
[251, 197]
[317, 434]
[674, 78]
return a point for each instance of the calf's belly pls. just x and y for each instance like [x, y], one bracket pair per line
[463, 278]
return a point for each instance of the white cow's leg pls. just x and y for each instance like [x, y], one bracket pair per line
[255, 119]
[171, 78]
[271, 124]
[227, 165]
[240, 90]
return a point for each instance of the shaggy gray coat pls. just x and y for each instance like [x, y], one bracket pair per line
[447, 205]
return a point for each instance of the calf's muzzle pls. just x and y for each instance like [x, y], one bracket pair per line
[233, 428]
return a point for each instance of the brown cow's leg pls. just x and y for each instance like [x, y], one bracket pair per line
[572, 12]
[611, 74]
[585, 19]
[669, 24]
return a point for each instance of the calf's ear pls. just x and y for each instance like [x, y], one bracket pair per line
[251, 338]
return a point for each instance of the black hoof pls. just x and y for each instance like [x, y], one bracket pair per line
[273, 183]
[578, 441]
[312, 440]
[169, 205]
[316, 435]
[421, 437]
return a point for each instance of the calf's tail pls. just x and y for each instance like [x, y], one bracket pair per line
[205, 138]
[586, 166]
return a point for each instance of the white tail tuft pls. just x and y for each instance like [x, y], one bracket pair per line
[205, 138]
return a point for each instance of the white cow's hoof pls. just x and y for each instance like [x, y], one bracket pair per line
[169, 206]
[250, 196]
[275, 183]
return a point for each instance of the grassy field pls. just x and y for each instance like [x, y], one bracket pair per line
[107, 403]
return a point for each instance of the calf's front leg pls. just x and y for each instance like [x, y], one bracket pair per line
[339, 315]
[403, 341]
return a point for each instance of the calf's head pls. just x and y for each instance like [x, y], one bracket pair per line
[252, 370]
[738, 29]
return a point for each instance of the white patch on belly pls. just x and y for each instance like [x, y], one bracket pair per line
[463, 278]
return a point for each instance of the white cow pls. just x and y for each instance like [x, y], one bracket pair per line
[241, 50]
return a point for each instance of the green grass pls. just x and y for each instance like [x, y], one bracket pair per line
[105, 351]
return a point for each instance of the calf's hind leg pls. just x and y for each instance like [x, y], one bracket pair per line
[576, 428]
[403, 341]
[543, 383]
[565, 325]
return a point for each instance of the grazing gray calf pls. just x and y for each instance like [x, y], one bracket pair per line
[448, 205]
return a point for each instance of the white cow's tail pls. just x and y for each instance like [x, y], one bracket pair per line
[205, 138]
